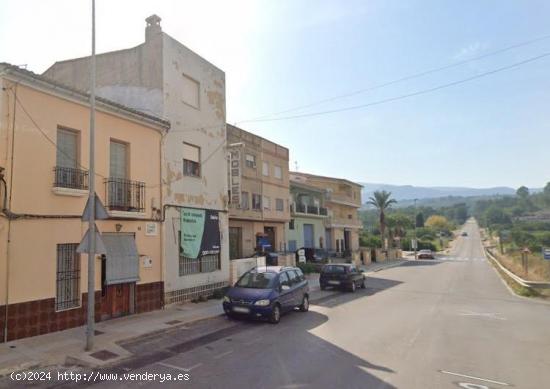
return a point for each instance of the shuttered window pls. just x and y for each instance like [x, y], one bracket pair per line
[122, 258]
[119, 158]
[67, 148]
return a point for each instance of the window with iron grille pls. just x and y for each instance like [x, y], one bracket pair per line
[279, 205]
[68, 277]
[203, 264]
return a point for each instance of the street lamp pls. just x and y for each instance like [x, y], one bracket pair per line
[414, 229]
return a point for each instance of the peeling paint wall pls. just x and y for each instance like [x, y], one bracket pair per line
[203, 127]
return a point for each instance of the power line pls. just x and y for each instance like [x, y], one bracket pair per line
[401, 97]
[402, 79]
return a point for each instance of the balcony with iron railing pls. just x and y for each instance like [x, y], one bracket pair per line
[308, 209]
[71, 178]
[125, 195]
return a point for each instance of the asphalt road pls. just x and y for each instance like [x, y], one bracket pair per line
[428, 324]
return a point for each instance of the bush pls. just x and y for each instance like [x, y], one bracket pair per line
[308, 268]
[423, 245]
[370, 241]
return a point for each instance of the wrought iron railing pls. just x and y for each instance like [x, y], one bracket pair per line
[66, 177]
[308, 209]
[125, 195]
[204, 264]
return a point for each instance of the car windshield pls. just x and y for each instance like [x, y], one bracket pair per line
[256, 280]
[334, 269]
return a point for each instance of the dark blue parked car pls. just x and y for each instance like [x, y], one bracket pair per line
[267, 292]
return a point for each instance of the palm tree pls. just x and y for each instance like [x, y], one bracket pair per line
[382, 201]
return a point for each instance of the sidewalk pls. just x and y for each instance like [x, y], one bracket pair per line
[67, 347]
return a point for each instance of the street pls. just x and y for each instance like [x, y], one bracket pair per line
[427, 324]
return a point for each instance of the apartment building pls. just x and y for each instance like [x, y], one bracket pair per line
[165, 78]
[342, 200]
[259, 194]
[44, 133]
[308, 217]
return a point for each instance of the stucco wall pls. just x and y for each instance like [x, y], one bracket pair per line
[33, 251]
[33, 176]
[298, 233]
[33, 240]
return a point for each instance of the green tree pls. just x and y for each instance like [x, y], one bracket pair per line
[522, 192]
[494, 215]
[438, 222]
[419, 220]
[382, 201]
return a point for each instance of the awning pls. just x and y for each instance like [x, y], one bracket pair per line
[122, 258]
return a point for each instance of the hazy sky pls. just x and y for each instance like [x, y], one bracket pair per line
[278, 55]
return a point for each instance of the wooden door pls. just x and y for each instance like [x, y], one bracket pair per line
[115, 300]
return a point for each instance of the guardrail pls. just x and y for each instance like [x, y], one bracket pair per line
[519, 280]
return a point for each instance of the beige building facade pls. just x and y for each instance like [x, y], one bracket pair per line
[165, 78]
[43, 190]
[342, 200]
[259, 194]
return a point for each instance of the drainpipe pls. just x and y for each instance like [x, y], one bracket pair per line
[6, 208]
[161, 205]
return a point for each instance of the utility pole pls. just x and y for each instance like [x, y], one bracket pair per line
[91, 201]
[414, 229]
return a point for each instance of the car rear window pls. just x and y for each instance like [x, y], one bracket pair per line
[334, 269]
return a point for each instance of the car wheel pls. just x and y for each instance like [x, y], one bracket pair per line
[353, 287]
[363, 285]
[275, 315]
[305, 304]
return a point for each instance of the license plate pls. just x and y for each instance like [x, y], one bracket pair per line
[334, 282]
[241, 310]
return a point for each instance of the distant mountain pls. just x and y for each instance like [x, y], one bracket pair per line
[409, 192]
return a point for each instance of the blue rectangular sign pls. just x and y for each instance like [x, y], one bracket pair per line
[546, 253]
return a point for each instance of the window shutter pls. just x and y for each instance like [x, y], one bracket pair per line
[66, 149]
[191, 153]
[118, 160]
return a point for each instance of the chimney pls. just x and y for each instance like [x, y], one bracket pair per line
[153, 27]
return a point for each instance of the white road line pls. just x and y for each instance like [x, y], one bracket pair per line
[475, 378]
[185, 369]
[223, 354]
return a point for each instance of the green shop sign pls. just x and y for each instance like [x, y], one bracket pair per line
[200, 232]
[192, 228]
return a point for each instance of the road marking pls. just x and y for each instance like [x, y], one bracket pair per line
[475, 378]
[223, 354]
[185, 369]
[467, 385]
[488, 315]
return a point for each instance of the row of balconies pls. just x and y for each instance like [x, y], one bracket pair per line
[120, 194]
[308, 209]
